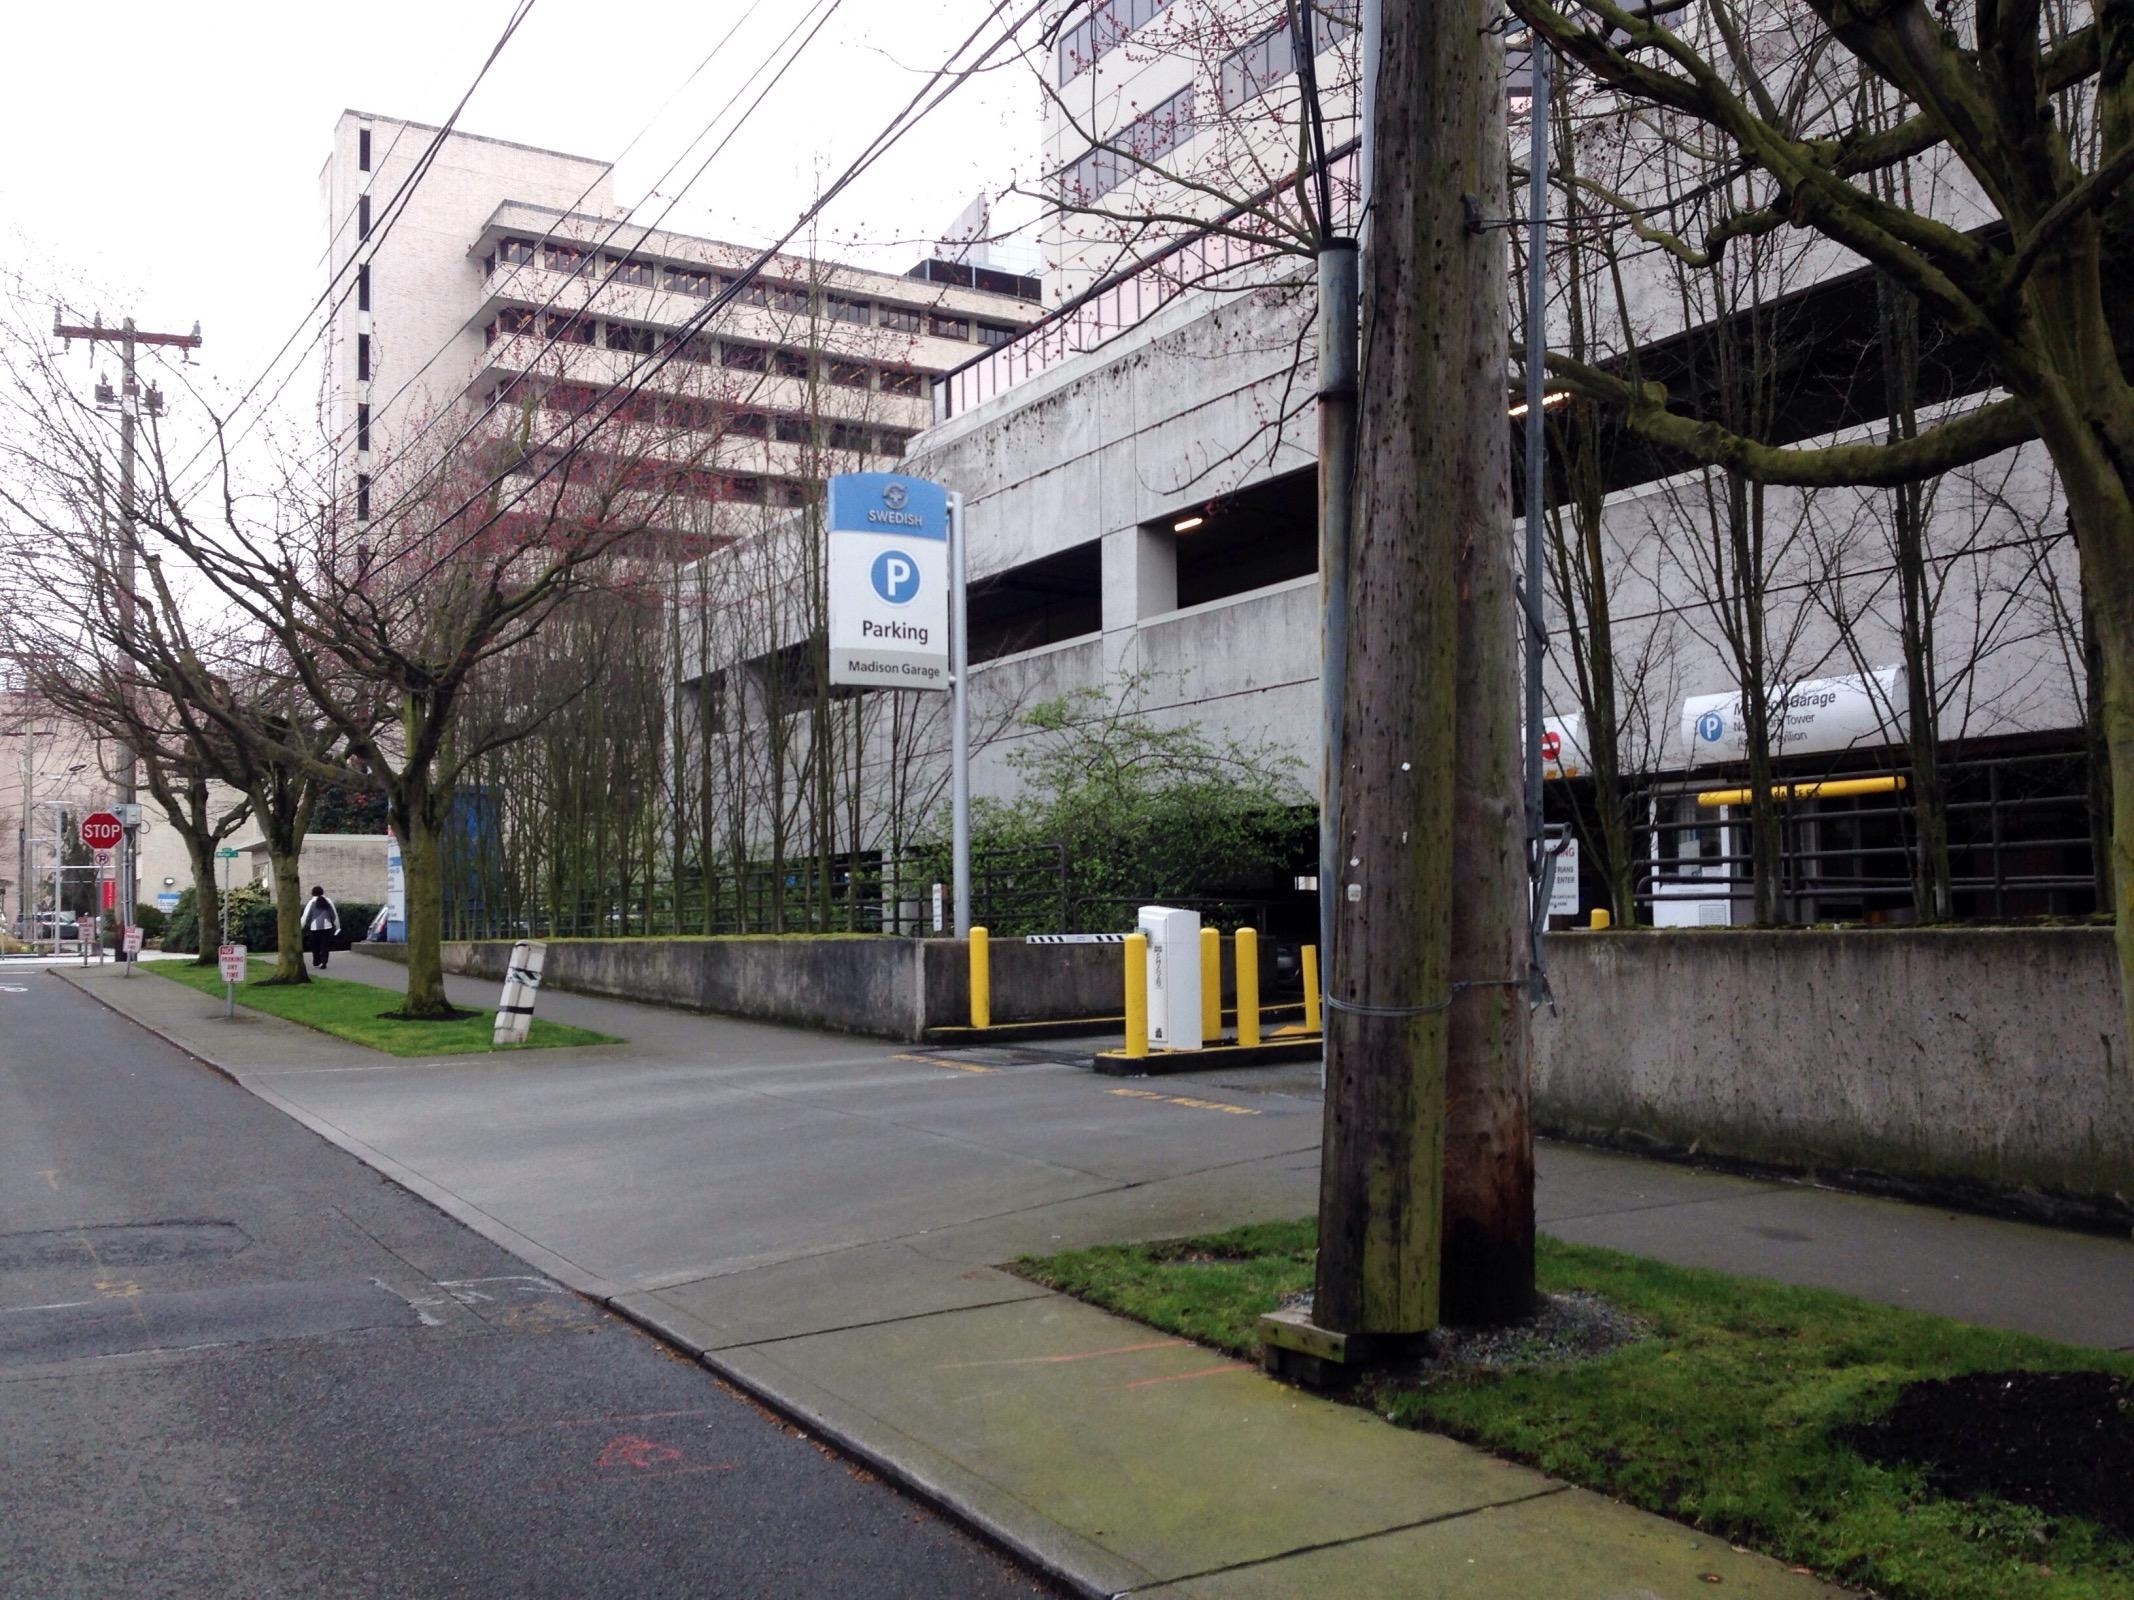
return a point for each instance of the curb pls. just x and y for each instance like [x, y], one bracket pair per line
[1157, 1064]
[667, 1329]
[1076, 1027]
[661, 1324]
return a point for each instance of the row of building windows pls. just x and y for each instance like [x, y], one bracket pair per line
[1153, 134]
[1107, 25]
[700, 483]
[711, 416]
[638, 272]
[1244, 75]
[636, 339]
[1252, 69]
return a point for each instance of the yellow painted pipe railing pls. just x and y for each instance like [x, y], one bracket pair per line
[1824, 789]
[981, 979]
[1137, 994]
[1247, 956]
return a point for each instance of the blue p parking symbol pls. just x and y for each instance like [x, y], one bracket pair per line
[1711, 727]
[895, 577]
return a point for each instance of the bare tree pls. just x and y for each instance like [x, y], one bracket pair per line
[2035, 293]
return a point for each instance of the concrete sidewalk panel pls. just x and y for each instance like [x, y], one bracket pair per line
[1577, 1182]
[2075, 1287]
[838, 1289]
[1567, 1545]
[1282, 1186]
[1175, 1459]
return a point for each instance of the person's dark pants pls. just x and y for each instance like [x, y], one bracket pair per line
[319, 941]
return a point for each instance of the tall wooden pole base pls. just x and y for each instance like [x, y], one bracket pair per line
[1297, 1351]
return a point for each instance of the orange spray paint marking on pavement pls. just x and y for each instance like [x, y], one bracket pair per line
[1180, 1377]
[635, 1450]
[1079, 1355]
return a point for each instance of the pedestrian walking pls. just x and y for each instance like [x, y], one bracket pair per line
[321, 923]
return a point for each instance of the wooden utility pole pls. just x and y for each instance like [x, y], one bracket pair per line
[1432, 499]
[129, 402]
[1498, 912]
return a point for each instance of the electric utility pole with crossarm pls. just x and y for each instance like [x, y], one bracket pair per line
[128, 402]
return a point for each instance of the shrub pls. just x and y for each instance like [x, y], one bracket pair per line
[356, 916]
[182, 930]
[1134, 809]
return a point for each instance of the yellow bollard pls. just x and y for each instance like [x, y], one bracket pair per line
[981, 979]
[1311, 988]
[1137, 994]
[1247, 956]
[1211, 986]
[1600, 918]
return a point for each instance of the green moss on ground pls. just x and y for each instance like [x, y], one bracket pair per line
[1729, 1417]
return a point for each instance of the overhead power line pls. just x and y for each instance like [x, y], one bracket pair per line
[407, 445]
[395, 209]
[916, 109]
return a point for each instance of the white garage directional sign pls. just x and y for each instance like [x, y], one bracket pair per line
[888, 563]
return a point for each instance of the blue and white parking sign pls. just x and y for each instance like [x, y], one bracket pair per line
[888, 560]
[1711, 727]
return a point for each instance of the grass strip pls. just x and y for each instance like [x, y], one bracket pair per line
[349, 1010]
[1728, 1418]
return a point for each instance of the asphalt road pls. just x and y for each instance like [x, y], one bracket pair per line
[236, 1362]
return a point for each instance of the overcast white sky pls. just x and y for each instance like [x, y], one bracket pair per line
[163, 158]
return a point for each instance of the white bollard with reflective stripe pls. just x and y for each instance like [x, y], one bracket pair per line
[522, 980]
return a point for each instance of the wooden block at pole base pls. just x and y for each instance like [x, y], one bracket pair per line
[1296, 1350]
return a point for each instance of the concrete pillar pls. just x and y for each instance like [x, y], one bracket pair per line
[1140, 576]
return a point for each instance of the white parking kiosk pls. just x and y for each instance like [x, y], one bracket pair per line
[1173, 977]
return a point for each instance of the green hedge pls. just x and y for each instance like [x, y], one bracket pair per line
[253, 922]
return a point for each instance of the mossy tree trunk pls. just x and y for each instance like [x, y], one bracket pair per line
[282, 799]
[207, 895]
[418, 820]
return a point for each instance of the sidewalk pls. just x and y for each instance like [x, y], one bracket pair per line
[820, 1218]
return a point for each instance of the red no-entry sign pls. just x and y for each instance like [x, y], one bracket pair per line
[102, 831]
[1551, 744]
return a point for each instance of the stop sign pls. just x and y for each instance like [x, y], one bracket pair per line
[102, 831]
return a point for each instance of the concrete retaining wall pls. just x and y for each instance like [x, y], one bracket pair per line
[1981, 1064]
[891, 988]
[1030, 982]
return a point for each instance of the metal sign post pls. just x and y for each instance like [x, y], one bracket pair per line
[898, 613]
[959, 632]
[229, 974]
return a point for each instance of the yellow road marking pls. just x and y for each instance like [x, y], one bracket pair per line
[953, 1066]
[117, 1288]
[1187, 1100]
[51, 1178]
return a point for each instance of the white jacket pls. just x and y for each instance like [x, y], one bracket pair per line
[313, 918]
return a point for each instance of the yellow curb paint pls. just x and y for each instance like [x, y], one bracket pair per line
[936, 1061]
[1186, 1100]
